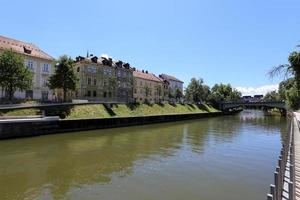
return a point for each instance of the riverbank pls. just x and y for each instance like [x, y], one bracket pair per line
[95, 111]
[98, 116]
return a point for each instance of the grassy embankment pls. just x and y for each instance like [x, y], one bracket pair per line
[118, 110]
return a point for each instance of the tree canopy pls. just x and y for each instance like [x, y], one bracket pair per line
[197, 91]
[64, 76]
[14, 75]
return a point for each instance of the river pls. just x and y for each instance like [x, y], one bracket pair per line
[228, 157]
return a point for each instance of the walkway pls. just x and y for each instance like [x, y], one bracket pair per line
[297, 155]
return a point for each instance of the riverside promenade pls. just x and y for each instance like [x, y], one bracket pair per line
[287, 174]
[297, 155]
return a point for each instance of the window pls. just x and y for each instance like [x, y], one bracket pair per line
[91, 69]
[95, 81]
[89, 81]
[104, 94]
[29, 64]
[44, 95]
[119, 73]
[94, 93]
[107, 71]
[109, 94]
[104, 83]
[89, 93]
[29, 94]
[124, 74]
[46, 67]
[135, 91]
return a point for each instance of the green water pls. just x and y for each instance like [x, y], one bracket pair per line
[230, 157]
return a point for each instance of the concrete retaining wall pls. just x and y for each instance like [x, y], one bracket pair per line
[35, 128]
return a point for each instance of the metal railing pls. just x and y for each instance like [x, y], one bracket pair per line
[284, 175]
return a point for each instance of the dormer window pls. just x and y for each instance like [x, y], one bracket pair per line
[26, 50]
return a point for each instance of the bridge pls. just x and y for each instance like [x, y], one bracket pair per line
[258, 104]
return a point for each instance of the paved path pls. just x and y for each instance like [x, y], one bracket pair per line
[297, 155]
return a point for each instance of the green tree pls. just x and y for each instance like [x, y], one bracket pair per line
[112, 83]
[14, 75]
[197, 91]
[178, 94]
[293, 68]
[64, 77]
[224, 92]
[272, 96]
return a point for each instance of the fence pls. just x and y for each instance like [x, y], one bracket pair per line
[284, 175]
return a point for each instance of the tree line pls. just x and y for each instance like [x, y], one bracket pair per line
[198, 92]
[289, 88]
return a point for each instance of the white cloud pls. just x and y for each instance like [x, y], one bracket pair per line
[259, 90]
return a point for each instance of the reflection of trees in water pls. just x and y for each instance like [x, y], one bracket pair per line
[63, 162]
[71, 160]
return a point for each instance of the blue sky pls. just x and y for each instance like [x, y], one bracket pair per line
[229, 41]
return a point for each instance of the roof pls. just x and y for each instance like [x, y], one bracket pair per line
[147, 76]
[24, 48]
[169, 77]
[104, 61]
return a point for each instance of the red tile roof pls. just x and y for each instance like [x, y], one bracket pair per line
[147, 76]
[23, 47]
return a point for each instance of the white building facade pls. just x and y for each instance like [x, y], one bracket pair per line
[37, 61]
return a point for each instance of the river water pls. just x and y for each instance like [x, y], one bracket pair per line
[228, 157]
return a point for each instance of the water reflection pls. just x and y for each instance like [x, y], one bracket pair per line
[56, 166]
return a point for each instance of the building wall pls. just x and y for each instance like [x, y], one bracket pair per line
[173, 85]
[98, 82]
[40, 78]
[139, 94]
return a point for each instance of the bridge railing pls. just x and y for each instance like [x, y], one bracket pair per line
[284, 175]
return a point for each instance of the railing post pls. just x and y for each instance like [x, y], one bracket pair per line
[272, 191]
[270, 197]
[291, 172]
[276, 185]
[291, 190]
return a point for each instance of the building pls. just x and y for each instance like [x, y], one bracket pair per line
[173, 83]
[102, 79]
[148, 87]
[37, 61]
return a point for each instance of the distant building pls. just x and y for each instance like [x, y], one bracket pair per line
[148, 87]
[102, 79]
[255, 98]
[37, 61]
[173, 83]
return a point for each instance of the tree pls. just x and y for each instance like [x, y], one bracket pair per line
[64, 77]
[272, 96]
[288, 92]
[293, 68]
[224, 92]
[14, 75]
[178, 94]
[197, 91]
[112, 85]
[147, 91]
